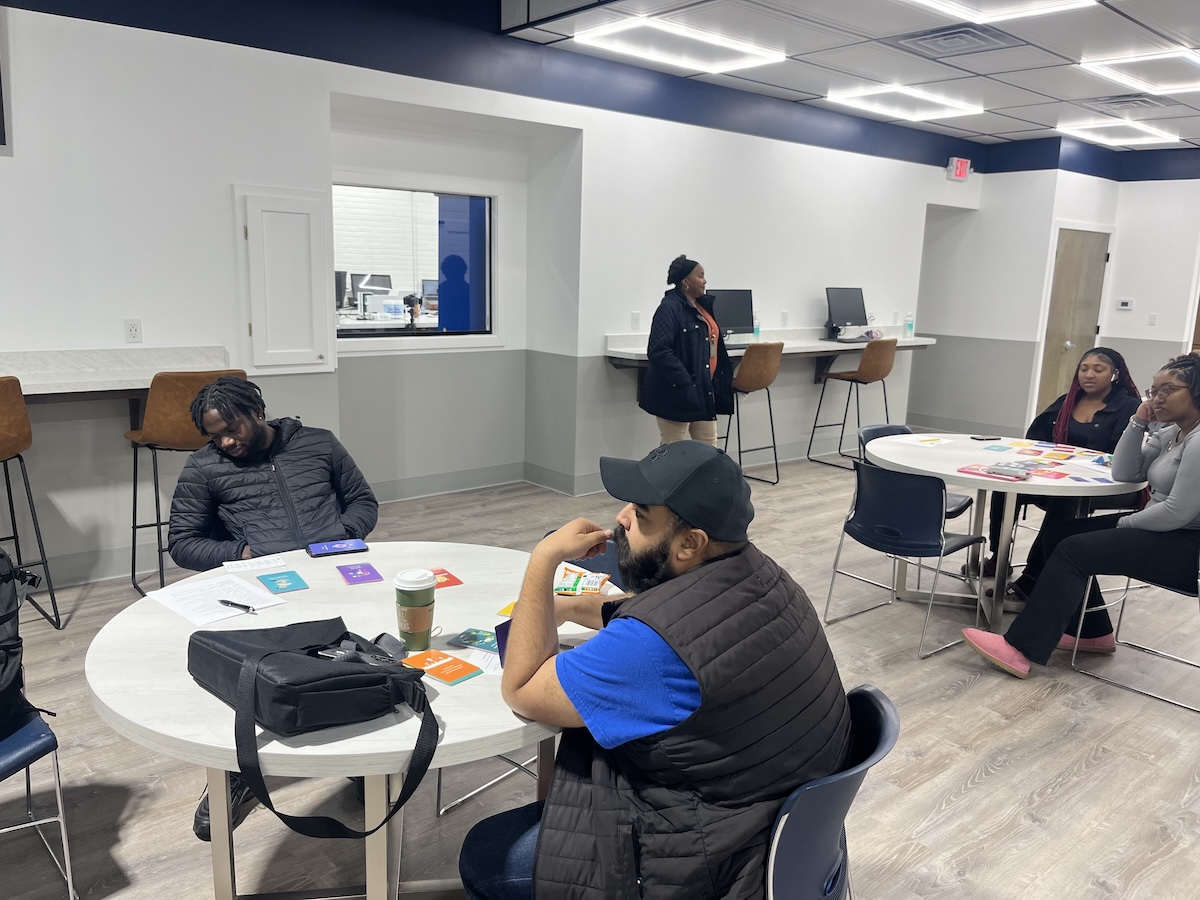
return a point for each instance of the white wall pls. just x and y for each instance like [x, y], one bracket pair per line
[386, 232]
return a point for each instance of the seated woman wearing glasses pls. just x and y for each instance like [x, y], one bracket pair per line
[1092, 414]
[1158, 544]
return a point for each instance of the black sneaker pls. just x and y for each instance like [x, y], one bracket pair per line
[242, 800]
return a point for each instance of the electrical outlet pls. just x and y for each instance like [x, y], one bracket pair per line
[1153, 318]
[133, 331]
[635, 320]
[783, 319]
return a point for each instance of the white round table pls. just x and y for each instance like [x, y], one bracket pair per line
[136, 672]
[943, 455]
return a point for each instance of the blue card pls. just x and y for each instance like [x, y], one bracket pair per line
[283, 582]
[1103, 480]
[1080, 478]
[997, 448]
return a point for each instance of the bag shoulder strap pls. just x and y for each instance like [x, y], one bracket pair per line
[321, 826]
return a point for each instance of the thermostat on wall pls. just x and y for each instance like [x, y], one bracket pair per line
[1125, 303]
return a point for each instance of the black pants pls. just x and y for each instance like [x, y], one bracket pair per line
[1076, 550]
[1058, 509]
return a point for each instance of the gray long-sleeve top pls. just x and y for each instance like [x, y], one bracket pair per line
[1150, 451]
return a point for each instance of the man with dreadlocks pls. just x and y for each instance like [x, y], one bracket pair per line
[259, 487]
[1158, 543]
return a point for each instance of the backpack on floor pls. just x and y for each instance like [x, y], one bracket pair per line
[14, 583]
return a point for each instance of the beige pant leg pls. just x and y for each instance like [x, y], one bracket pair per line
[705, 432]
[670, 432]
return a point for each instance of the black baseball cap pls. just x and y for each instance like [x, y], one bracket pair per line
[696, 481]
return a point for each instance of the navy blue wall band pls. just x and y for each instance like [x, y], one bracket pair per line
[459, 44]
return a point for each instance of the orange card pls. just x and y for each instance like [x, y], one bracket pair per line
[442, 666]
[446, 579]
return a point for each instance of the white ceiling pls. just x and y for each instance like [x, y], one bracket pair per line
[1022, 72]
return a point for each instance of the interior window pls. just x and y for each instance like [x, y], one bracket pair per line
[410, 263]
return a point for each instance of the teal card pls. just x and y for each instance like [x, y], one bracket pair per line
[283, 582]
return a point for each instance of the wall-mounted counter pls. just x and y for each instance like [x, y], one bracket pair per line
[629, 350]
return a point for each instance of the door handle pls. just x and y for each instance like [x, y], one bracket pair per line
[1068, 345]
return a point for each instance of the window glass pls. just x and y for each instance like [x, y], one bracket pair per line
[410, 263]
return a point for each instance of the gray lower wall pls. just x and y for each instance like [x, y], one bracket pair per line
[550, 390]
[1144, 358]
[969, 384]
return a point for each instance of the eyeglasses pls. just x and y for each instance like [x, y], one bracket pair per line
[1163, 390]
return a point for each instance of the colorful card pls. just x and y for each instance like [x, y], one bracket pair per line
[508, 610]
[1080, 478]
[283, 582]
[1058, 454]
[445, 579]
[1030, 452]
[982, 470]
[359, 573]
[1020, 443]
[997, 448]
[476, 639]
[1049, 473]
[442, 666]
[1103, 480]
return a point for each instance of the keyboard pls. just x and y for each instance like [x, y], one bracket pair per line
[861, 339]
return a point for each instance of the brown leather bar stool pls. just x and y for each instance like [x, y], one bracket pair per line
[875, 365]
[756, 372]
[166, 425]
[16, 436]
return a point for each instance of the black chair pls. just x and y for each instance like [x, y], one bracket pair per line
[807, 858]
[956, 504]
[1122, 602]
[904, 516]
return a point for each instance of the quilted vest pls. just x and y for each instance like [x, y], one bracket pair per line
[688, 812]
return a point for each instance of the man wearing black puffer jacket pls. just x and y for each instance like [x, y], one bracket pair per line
[260, 487]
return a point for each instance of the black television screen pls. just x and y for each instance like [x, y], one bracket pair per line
[339, 289]
[846, 307]
[371, 282]
[734, 311]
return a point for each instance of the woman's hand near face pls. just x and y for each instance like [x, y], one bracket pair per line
[1145, 412]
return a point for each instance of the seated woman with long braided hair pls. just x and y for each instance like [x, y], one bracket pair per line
[1159, 543]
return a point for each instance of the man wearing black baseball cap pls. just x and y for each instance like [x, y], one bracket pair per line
[708, 695]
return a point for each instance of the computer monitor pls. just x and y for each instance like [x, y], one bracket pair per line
[375, 283]
[734, 311]
[339, 289]
[846, 309]
[429, 287]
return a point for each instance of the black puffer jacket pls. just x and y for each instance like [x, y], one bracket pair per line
[677, 385]
[307, 489]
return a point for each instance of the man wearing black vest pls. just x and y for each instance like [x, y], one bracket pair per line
[708, 695]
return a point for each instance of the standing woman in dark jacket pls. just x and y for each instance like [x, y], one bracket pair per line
[690, 379]
[1092, 414]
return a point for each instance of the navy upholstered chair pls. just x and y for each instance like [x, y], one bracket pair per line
[27, 739]
[807, 858]
[956, 504]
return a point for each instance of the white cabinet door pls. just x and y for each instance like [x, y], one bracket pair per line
[291, 320]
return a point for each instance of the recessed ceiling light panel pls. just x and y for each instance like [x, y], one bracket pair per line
[907, 103]
[1165, 72]
[981, 12]
[677, 45]
[1119, 133]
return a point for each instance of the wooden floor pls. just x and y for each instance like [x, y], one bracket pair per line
[1055, 787]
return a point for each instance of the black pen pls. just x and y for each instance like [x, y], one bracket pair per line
[242, 606]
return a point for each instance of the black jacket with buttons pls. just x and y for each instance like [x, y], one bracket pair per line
[1102, 432]
[306, 489]
[677, 385]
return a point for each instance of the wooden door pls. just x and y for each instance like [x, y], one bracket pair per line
[1079, 263]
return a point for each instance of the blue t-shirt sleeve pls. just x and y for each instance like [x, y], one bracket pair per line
[627, 683]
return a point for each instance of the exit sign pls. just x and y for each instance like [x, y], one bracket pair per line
[958, 169]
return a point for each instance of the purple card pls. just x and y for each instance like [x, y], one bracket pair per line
[359, 573]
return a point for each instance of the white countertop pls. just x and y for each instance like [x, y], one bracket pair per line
[82, 371]
[796, 342]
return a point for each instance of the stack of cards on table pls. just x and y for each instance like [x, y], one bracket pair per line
[442, 666]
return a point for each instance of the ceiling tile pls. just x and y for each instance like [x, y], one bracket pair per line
[993, 61]
[1059, 82]
[1091, 32]
[1051, 114]
[1035, 135]
[1143, 107]
[988, 139]
[883, 64]
[981, 91]
[571, 24]
[872, 18]
[806, 78]
[759, 25]
[858, 113]
[1177, 19]
[602, 53]
[938, 128]
[1187, 128]
[756, 87]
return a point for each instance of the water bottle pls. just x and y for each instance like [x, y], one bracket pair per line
[909, 325]
[756, 328]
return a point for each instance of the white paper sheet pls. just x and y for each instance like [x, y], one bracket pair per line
[486, 660]
[198, 601]
[257, 562]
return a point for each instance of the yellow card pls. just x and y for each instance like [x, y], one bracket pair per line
[508, 610]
